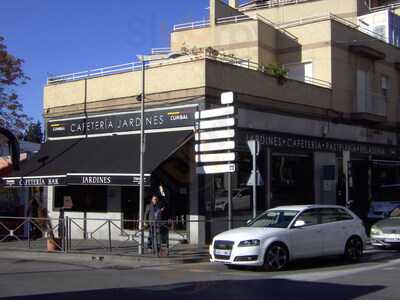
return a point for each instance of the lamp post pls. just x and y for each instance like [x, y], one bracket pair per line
[145, 59]
[142, 151]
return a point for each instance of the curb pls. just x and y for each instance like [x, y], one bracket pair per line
[104, 259]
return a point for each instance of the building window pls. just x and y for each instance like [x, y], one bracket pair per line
[385, 86]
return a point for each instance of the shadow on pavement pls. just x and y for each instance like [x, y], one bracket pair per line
[228, 289]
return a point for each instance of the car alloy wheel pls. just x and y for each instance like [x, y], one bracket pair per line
[276, 257]
[354, 249]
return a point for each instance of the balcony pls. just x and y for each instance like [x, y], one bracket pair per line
[370, 107]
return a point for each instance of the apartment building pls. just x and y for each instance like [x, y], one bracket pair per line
[313, 84]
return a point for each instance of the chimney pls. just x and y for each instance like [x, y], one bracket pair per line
[234, 3]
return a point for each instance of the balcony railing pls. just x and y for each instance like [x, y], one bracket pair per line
[371, 103]
[192, 25]
[270, 4]
[136, 66]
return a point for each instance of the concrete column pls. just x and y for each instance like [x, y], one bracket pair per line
[196, 226]
[50, 199]
[346, 160]
[213, 16]
[324, 188]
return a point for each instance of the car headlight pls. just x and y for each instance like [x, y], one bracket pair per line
[249, 243]
[376, 230]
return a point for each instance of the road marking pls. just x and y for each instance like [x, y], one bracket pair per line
[323, 275]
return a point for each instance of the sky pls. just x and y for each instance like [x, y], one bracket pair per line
[66, 36]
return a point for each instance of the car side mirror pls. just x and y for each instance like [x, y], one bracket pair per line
[299, 223]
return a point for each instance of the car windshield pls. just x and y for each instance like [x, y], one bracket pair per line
[274, 218]
[395, 213]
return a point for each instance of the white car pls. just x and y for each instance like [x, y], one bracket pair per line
[291, 232]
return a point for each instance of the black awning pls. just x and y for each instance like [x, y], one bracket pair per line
[111, 160]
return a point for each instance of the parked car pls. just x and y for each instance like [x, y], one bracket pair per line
[287, 233]
[241, 200]
[386, 233]
[384, 201]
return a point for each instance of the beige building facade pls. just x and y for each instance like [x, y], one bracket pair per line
[315, 90]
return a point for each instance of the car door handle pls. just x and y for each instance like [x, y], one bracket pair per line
[319, 231]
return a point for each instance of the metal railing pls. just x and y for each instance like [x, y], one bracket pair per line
[100, 236]
[192, 25]
[155, 51]
[271, 4]
[330, 16]
[136, 66]
[234, 19]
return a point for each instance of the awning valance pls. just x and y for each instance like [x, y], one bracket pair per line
[112, 160]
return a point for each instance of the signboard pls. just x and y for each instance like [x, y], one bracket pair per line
[255, 181]
[216, 169]
[228, 122]
[227, 98]
[217, 146]
[315, 144]
[180, 116]
[215, 135]
[35, 181]
[218, 157]
[215, 113]
[78, 179]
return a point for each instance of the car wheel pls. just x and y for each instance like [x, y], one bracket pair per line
[354, 249]
[276, 257]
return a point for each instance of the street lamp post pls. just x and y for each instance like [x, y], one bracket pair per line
[144, 59]
[142, 151]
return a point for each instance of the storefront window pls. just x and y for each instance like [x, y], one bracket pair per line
[242, 193]
[84, 198]
[292, 179]
[8, 202]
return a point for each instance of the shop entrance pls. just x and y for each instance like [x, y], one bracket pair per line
[130, 206]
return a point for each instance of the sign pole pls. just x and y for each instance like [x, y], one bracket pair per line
[229, 200]
[255, 179]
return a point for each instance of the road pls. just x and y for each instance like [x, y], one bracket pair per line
[376, 277]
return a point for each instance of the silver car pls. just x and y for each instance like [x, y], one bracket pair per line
[386, 233]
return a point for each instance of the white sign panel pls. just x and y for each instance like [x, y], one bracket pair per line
[260, 181]
[218, 146]
[219, 157]
[215, 135]
[216, 169]
[254, 147]
[229, 122]
[214, 113]
[227, 98]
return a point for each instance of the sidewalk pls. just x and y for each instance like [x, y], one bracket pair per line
[97, 251]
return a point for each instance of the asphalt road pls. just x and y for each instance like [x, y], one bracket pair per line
[376, 277]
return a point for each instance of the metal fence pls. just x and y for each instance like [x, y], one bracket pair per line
[103, 236]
